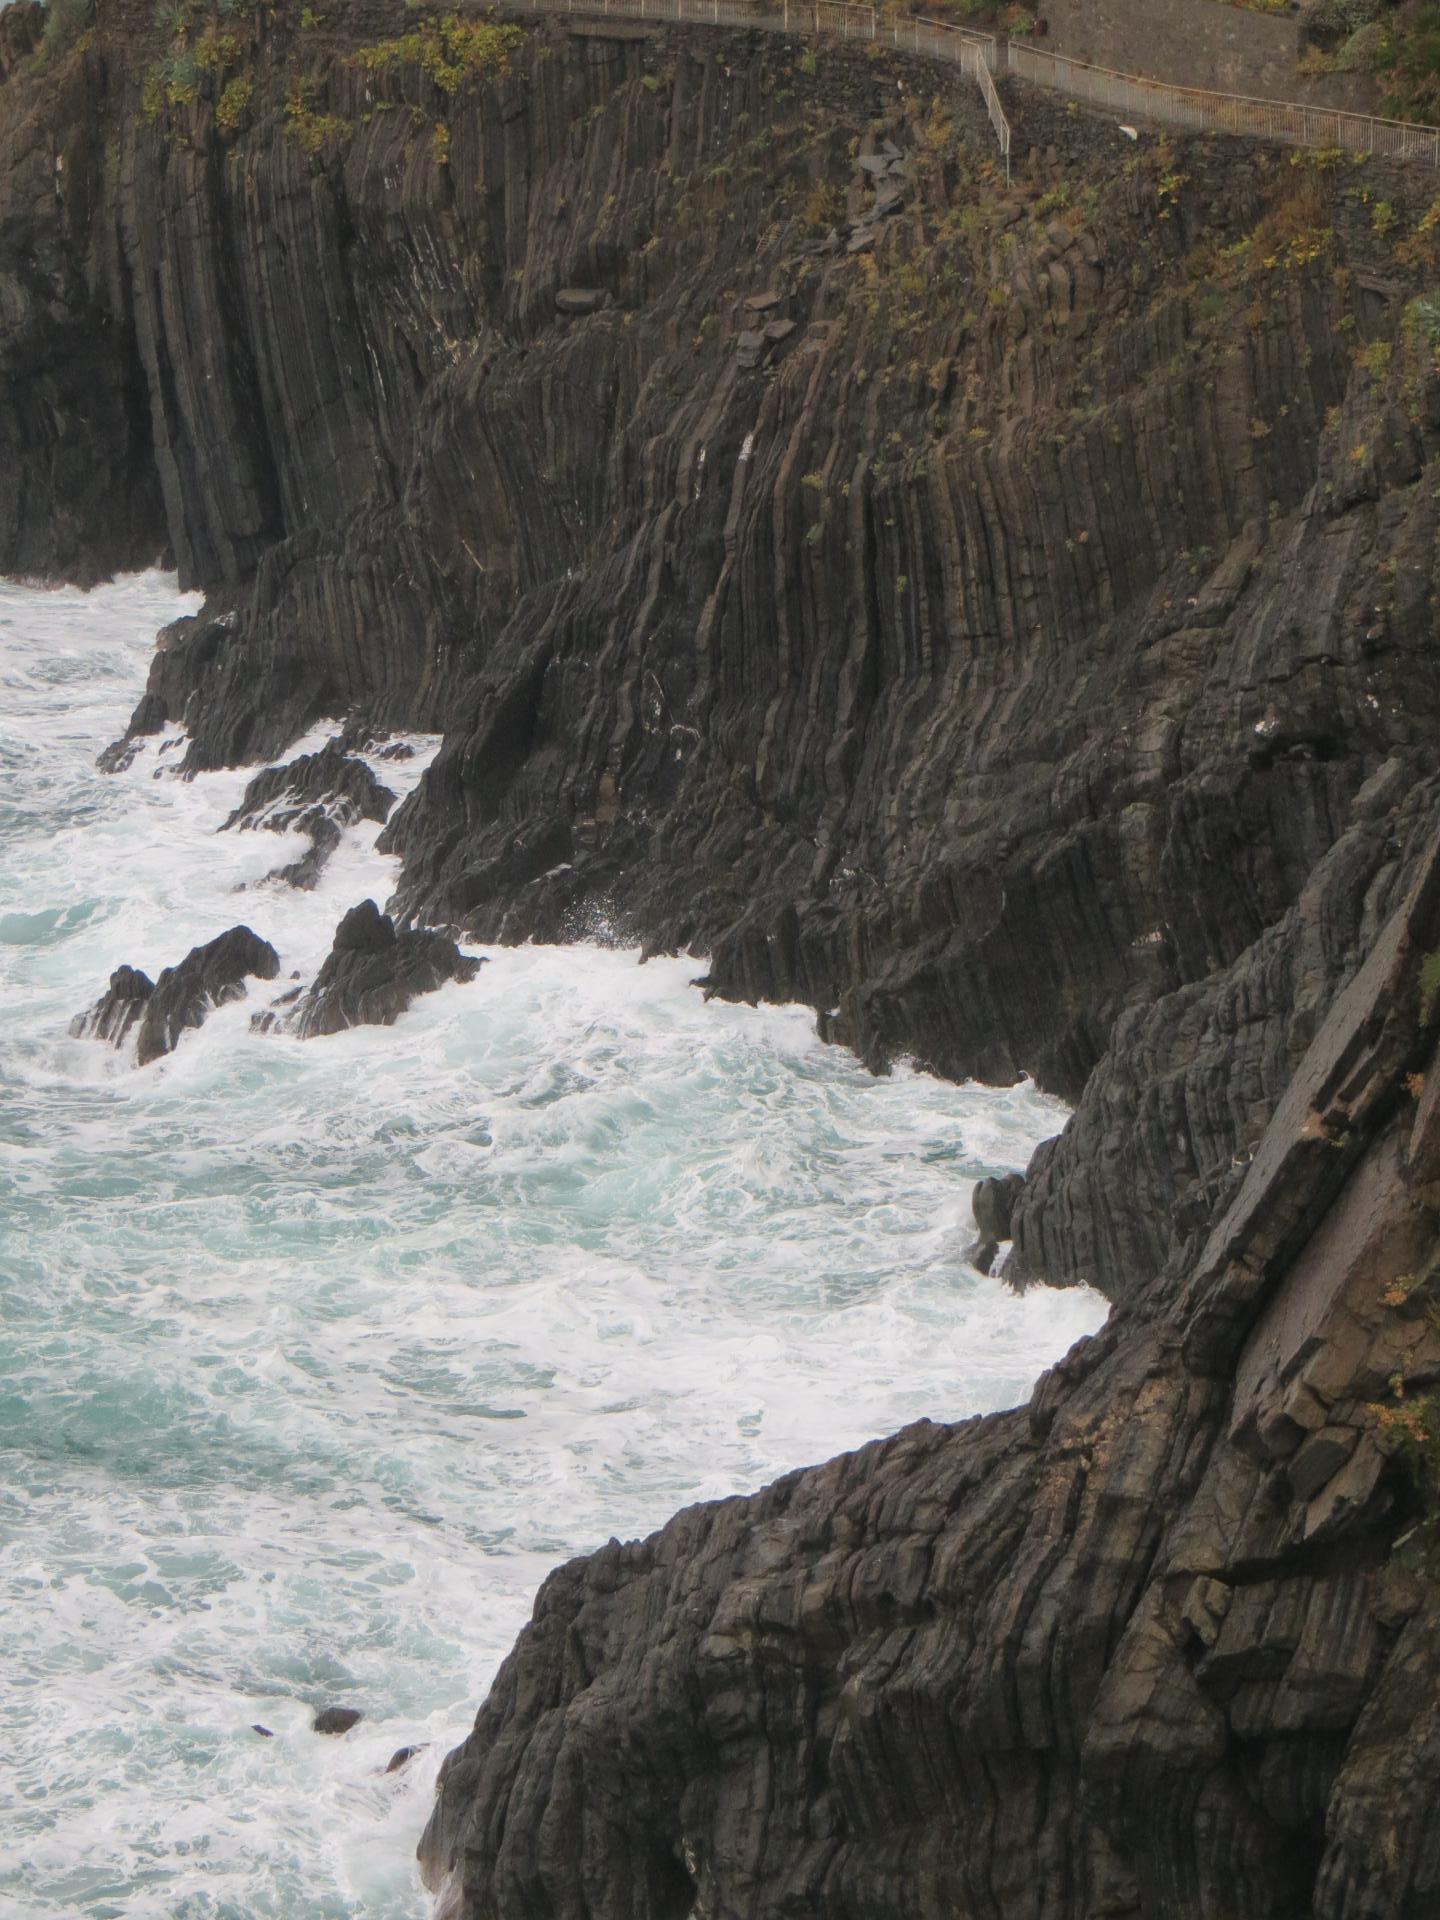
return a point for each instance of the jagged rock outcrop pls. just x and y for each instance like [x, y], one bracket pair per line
[993, 1204]
[1018, 643]
[371, 975]
[1144, 1648]
[319, 795]
[209, 976]
[764, 660]
[118, 1008]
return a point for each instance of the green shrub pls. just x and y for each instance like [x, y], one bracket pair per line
[234, 99]
[1331, 21]
[449, 53]
[180, 75]
[1410, 60]
[65, 21]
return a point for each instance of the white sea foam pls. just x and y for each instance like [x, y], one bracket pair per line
[315, 1356]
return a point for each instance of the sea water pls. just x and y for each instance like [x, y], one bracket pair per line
[315, 1356]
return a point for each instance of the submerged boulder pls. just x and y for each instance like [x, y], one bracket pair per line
[371, 975]
[317, 794]
[336, 1720]
[207, 977]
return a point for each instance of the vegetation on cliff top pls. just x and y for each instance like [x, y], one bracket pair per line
[450, 51]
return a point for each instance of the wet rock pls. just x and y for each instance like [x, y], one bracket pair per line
[207, 977]
[319, 795]
[402, 1756]
[117, 1009]
[336, 1720]
[371, 975]
[333, 778]
[993, 1204]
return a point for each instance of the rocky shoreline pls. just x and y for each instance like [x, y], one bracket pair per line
[1001, 618]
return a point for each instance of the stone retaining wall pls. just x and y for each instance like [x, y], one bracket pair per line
[1198, 43]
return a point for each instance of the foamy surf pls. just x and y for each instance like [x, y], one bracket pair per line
[317, 1355]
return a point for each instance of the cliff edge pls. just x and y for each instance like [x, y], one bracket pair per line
[1001, 616]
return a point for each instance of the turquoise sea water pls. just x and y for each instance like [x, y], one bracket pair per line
[314, 1357]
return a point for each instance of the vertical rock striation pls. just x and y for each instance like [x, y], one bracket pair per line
[1144, 1648]
[1001, 618]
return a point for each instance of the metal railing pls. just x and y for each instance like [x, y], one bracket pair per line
[906, 34]
[1204, 112]
[974, 53]
[995, 110]
[980, 56]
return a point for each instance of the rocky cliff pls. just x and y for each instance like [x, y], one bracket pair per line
[1000, 617]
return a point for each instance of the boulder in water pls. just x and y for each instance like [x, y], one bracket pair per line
[336, 1719]
[207, 977]
[372, 974]
[117, 1009]
[402, 1756]
[993, 1204]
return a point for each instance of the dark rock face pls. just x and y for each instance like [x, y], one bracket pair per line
[993, 1203]
[84, 500]
[1017, 642]
[117, 1009]
[207, 977]
[763, 660]
[1143, 1648]
[319, 795]
[372, 974]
